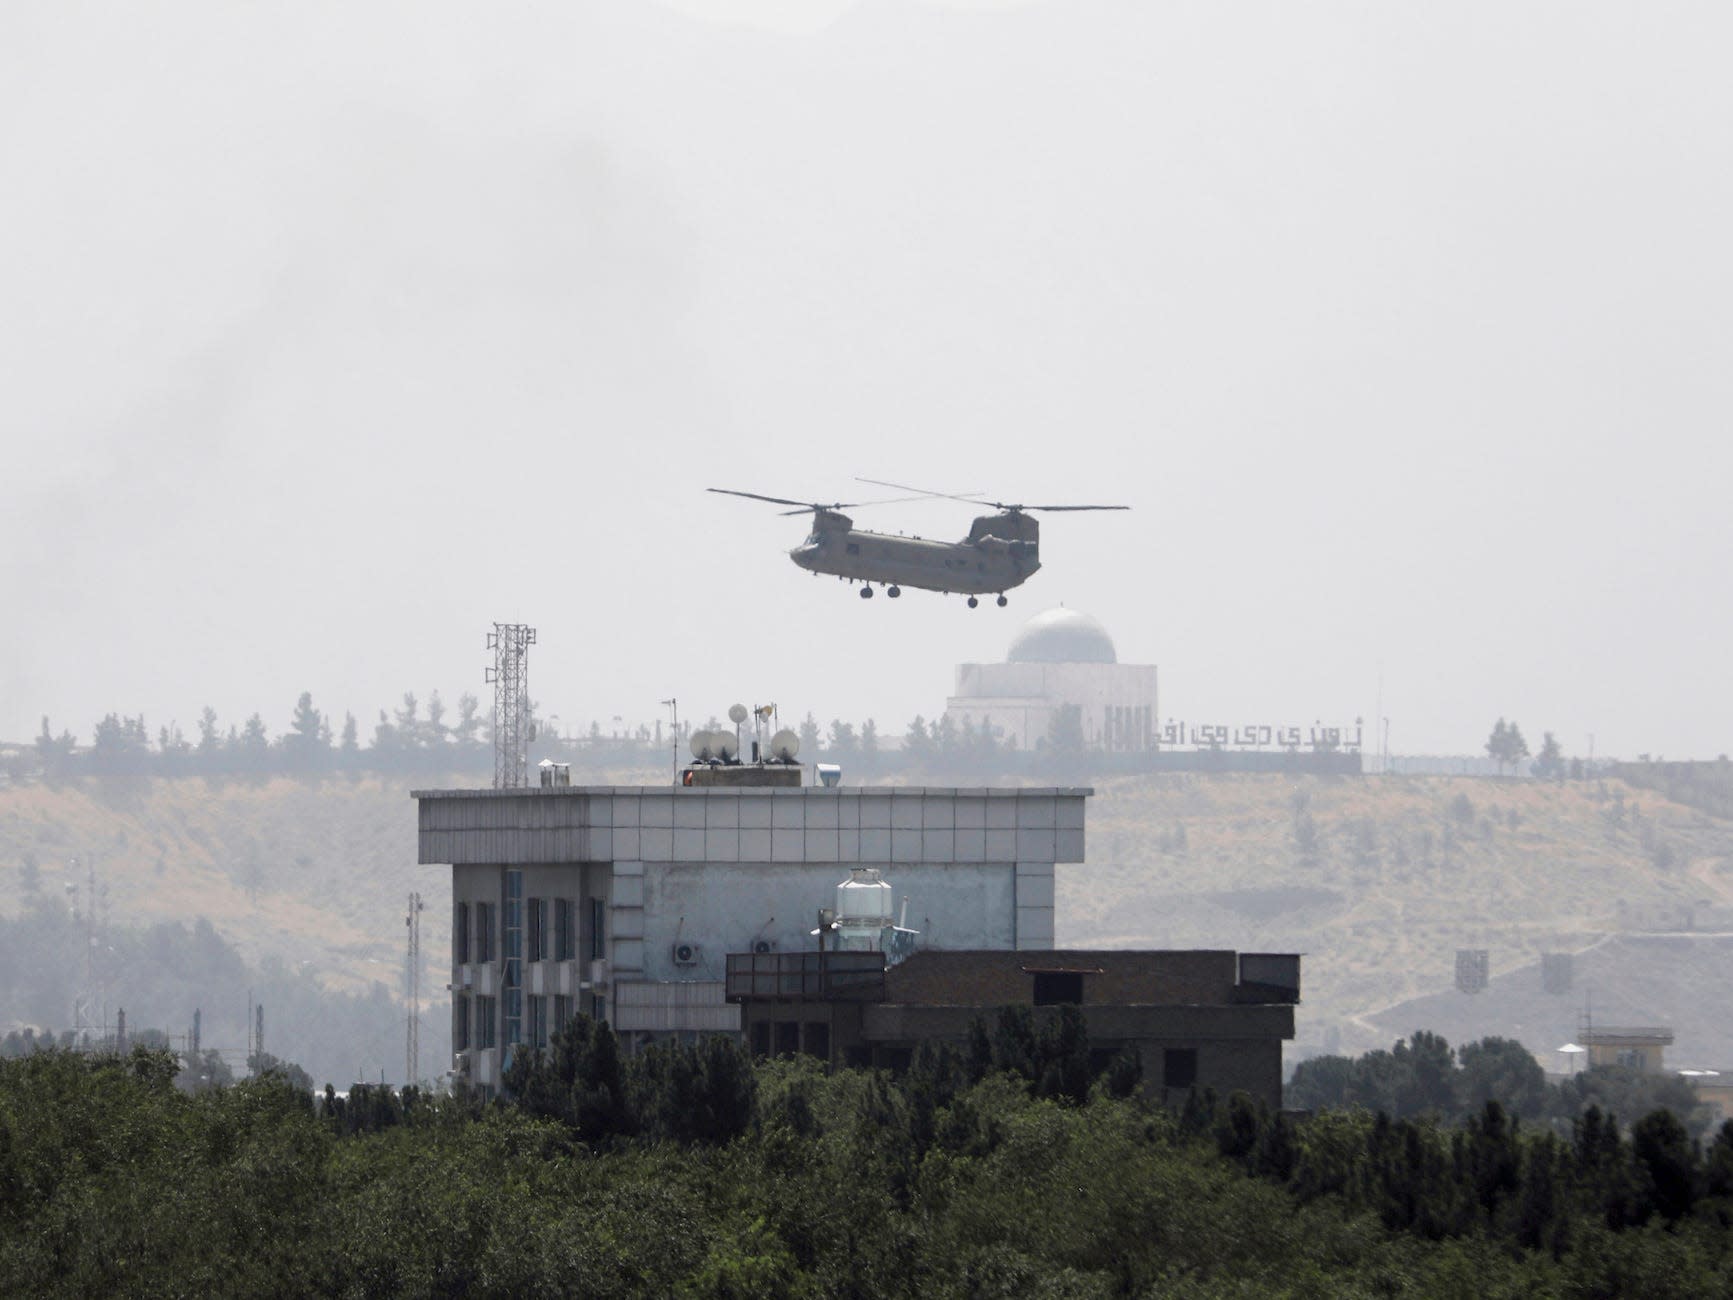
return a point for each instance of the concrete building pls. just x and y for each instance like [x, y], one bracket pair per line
[623, 902]
[1205, 1019]
[1636, 1048]
[1060, 658]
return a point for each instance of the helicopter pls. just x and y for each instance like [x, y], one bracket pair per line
[1002, 550]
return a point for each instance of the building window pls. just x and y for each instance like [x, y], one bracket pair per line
[460, 1023]
[565, 938]
[538, 1020]
[484, 945]
[1179, 1067]
[761, 1038]
[598, 929]
[1053, 987]
[817, 1037]
[562, 1013]
[598, 1007]
[538, 929]
[512, 946]
[460, 933]
[1634, 1058]
[484, 1023]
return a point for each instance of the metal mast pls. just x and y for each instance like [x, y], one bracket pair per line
[412, 1055]
[510, 643]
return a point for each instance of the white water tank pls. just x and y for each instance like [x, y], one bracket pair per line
[865, 897]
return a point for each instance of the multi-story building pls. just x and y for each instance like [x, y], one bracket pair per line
[622, 902]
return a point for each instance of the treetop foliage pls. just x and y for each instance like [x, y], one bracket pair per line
[694, 1172]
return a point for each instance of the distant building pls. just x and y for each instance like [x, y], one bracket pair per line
[1634, 1048]
[1204, 1019]
[1060, 658]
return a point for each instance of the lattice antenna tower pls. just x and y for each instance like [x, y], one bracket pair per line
[412, 1053]
[510, 676]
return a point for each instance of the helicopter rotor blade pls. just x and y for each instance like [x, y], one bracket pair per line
[1052, 508]
[759, 496]
[975, 500]
[920, 492]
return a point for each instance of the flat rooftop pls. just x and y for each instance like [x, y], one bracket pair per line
[781, 792]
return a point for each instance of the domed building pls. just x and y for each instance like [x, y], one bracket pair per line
[1060, 657]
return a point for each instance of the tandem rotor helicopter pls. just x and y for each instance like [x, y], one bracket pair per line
[1001, 551]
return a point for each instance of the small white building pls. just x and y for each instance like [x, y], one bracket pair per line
[1060, 657]
[623, 903]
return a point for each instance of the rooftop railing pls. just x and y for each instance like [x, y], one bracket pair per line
[806, 976]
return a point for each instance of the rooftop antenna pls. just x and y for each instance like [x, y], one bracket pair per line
[510, 643]
[737, 715]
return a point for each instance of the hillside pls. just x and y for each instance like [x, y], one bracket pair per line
[1377, 880]
[1380, 880]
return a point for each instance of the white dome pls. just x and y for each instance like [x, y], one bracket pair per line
[1062, 636]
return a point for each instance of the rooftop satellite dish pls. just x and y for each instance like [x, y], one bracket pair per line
[703, 745]
[737, 713]
[784, 745]
[726, 746]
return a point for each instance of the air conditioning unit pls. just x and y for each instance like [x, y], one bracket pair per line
[468, 978]
[762, 946]
[685, 954]
[460, 1065]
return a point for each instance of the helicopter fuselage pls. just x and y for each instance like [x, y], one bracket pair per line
[1001, 552]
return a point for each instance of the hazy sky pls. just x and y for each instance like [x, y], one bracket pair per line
[332, 333]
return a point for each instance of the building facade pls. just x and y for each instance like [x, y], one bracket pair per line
[623, 902]
[1060, 659]
[1207, 1019]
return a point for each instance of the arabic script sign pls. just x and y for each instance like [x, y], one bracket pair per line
[1177, 734]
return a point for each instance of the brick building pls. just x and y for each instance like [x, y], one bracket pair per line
[1213, 1019]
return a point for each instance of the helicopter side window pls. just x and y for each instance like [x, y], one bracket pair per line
[854, 548]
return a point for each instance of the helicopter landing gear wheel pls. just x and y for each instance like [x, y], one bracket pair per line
[893, 592]
[1003, 602]
[973, 602]
[866, 593]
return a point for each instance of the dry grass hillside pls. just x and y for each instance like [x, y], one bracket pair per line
[1378, 880]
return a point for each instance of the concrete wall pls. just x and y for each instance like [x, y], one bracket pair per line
[994, 979]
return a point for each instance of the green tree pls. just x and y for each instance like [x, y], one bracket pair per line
[843, 743]
[1502, 1070]
[1549, 763]
[918, 742]
[254, 748]
[809, 736]
[469, 723]
[869, 743]
[54, 753]
[306, 746]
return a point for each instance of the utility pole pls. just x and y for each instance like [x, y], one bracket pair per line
[259, 1038]
[674, 704]
[412, 1050]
